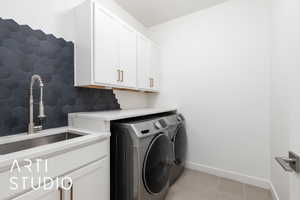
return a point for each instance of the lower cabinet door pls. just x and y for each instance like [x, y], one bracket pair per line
[92, 182]
[88, 183]
[42, 194]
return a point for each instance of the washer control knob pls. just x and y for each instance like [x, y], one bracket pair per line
[178, 118]
[157, 125]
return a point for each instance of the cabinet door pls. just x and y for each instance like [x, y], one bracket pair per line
[143, 63]
[155, 67]
[128, 56]
[92, 182]
[106, 48]
[41, 194]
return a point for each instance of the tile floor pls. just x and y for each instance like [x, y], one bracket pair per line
[199, 186]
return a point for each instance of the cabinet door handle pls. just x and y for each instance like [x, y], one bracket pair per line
[72, 193]
[64, 193]
[151, 82]
[60, 193]
[119, 79]
[122, 75]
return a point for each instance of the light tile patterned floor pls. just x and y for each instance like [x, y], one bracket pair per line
[199, 186]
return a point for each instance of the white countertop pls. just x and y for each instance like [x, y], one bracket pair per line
[89, 136]
[122, 114]
[48, 149]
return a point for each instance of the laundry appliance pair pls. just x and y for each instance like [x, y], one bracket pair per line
[147, 156]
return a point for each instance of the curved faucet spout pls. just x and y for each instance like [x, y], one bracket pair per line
[31, 127]
[36, 78]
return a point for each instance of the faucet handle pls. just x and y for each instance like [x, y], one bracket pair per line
[42, 119]
[41, 110]
[42, 116]
[38, 128]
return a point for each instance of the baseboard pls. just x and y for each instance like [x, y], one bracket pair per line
[273, 192]
[258, 182]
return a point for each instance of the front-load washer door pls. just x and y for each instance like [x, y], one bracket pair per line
[156, 169]
[180, 144]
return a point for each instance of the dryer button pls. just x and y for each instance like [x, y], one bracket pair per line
[157, 125]
[163, 123]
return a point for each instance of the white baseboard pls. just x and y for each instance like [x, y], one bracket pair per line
[258, 182]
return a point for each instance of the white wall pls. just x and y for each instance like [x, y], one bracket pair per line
[57, 17]
[216, 69]
[285, 93]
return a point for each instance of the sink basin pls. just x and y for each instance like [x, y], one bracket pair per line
[35, 142]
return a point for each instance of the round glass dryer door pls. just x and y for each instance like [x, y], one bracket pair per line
[156, 165]
[180, 145]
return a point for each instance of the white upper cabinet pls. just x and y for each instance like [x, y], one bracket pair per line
[128, 56]
[106, 48]
[155, 67]
[143, 63]
[148, 65]
[110, 53]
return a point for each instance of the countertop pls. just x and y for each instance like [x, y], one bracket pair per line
[49, 149]
[59, 147]
[122, 114]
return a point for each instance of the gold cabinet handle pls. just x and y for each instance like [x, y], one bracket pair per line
[72, 193]
[122, 76]
[119, 79]
[63, 191]
[151, 82]
[60, 193]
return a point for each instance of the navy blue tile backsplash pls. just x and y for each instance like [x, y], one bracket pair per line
[24, 52]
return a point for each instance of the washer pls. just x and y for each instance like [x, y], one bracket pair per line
[178, 138]
[140, 159]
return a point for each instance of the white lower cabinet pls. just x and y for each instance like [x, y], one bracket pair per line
[91, 182]
[42, 194]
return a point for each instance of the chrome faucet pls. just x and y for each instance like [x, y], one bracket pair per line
[31, 127]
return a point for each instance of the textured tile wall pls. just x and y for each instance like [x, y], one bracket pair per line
[24, 52]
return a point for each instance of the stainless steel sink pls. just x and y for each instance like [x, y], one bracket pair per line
[35, 142]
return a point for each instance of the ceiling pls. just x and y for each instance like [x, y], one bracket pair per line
[153, 12]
